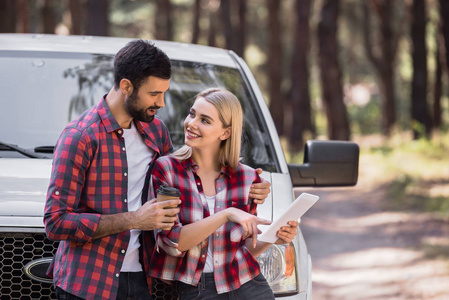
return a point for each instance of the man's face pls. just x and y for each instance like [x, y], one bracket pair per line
[143, 103]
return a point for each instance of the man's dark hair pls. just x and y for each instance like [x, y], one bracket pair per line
[138, 60]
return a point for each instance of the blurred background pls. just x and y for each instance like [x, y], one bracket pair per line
[371, 71]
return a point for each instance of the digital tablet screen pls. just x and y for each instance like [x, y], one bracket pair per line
[292, 213]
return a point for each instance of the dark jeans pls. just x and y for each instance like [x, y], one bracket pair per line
[257, 288]
[132, 286]
[63, 295]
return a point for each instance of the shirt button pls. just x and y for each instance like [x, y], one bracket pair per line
[57, 193]
[198, 183]
[123, 251]
[117, 275]
[119, 132]
[124, 149]
[126, 200]
[125, 174]
[203, 256]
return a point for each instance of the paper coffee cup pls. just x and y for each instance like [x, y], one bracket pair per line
[167, 192]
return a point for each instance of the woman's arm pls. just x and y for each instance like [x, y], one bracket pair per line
[194, 233]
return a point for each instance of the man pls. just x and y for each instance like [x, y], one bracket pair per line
[97, 198]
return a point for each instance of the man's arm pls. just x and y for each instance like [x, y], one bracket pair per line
[259, 191]
[152, 215]
[71, 159]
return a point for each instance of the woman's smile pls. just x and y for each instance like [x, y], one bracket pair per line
[190, 134]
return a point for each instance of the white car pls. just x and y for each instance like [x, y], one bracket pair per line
[48, 80]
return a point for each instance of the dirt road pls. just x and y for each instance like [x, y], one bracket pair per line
[360, 251]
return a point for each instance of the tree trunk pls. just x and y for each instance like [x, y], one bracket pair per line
[8, 16]
[169, 21]
[226, 24]
[240, 32]
[421, 122]
[384, 60]
[163, 18]
[97, 18]
[196, 21]
[299, 92]
[438, 85]
[387, 89]
[337, 120]
[275, 65]
[24, 20]
[48, 17]
[212, 33]
[75, 15]
[444, 17]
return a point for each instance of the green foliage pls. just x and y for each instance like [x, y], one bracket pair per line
[436, 251]
[365, 119]
[408, 193]
[416, 173]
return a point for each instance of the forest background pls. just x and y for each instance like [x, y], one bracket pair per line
[335, 68]
[371, 71]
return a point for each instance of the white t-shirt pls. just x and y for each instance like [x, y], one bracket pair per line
[138, 156]
[209, 266]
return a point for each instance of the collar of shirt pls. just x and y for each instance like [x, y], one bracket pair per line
[111, 125]
[107, 117]
[189, 163]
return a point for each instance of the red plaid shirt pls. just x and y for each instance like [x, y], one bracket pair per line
[233, 263]
[89, 178]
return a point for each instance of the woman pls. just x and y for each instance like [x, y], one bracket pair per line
[208, 253]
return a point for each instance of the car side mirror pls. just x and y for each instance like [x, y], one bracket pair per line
[327, 163]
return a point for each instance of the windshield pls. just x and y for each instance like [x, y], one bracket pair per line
[44, 91]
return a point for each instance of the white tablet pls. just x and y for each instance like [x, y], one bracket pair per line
[292, 213]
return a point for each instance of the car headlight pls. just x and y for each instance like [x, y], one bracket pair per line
[278, 266]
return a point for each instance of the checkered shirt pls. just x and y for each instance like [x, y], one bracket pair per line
[89, 179]
[233, 263]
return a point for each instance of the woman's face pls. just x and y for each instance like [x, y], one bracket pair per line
[202, 127]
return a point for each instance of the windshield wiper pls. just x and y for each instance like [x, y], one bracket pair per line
[45, 149]
[28, 153]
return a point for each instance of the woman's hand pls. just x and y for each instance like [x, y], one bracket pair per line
[248, 222]
[287, 233]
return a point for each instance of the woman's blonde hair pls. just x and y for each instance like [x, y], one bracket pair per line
[231, 115]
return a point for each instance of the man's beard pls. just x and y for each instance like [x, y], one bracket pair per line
[139, 114]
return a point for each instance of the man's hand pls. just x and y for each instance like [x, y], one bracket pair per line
[260, 191]
[287, 233]
[152, 215]
[156, 215]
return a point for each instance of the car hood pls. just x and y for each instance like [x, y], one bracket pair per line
[23, 186]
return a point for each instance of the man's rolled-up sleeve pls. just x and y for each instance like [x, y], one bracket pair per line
[71, 160]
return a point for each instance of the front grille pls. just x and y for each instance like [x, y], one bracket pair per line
[16, 250]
